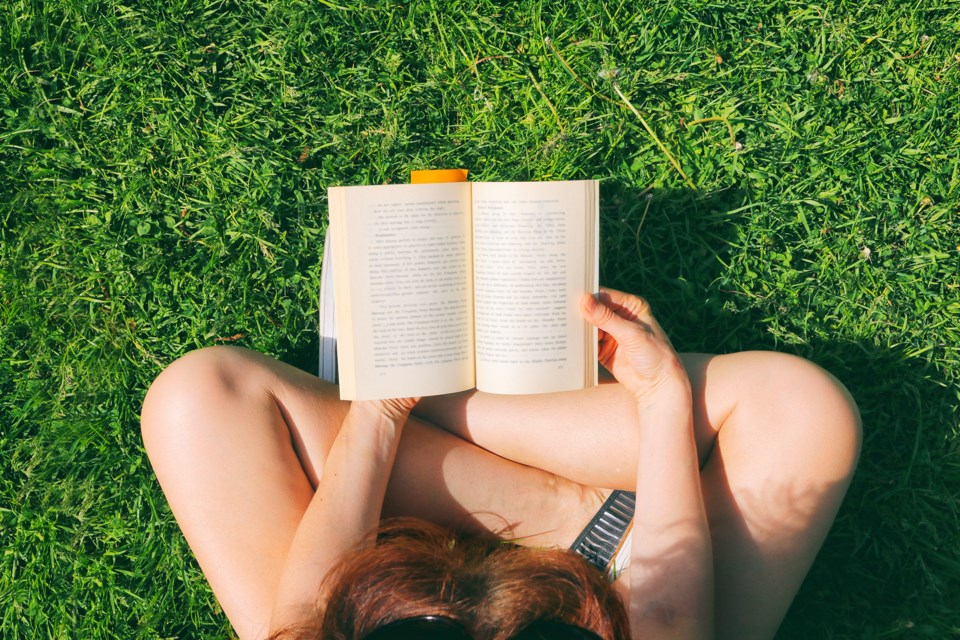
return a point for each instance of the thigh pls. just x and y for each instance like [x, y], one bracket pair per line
[781, 464]
[238, 441]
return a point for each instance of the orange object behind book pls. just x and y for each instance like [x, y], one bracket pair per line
[438, 175]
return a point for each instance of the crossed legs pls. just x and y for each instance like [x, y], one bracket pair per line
[778, 440]
[238, 440]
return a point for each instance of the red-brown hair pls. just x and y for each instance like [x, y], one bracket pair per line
[494, 588]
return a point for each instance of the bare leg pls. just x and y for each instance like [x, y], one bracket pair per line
[238, 441]
[778, 441]
[777, 436]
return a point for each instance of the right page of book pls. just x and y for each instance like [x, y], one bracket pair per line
[535, 248]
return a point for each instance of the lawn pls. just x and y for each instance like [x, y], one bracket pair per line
[775, 175]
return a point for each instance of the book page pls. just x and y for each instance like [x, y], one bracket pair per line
[534, 257]
[403, 289]
[326, 321]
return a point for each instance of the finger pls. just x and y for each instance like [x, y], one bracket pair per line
[606, 351]
[626, 304]
[604, 318]
[634, 308]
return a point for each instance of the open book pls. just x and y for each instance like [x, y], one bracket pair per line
[444, 287]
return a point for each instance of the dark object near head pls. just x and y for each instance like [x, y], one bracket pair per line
[443, 628]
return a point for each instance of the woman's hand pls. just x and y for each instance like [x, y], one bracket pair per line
[397, 409]
[633, 347]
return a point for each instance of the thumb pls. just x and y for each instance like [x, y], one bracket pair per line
[603, 317]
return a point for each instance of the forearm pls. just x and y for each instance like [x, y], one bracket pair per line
[345, 507]
[671, 572]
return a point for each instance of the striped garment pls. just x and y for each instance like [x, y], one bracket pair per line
[605, 542]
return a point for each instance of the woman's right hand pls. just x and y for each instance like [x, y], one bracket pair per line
[633, 346]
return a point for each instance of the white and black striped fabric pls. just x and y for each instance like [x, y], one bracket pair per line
[599, 541]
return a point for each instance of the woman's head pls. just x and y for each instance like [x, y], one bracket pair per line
[492, 588]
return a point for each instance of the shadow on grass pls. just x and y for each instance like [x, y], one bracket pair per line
[894, 549]
[666, 245]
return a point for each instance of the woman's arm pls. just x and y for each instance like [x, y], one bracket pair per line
[671, 578]
[346, 505]
[671, 570]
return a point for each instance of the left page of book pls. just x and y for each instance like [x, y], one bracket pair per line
[403, 285]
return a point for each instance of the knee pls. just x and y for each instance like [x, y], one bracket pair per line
[815, 408]
[187, 388]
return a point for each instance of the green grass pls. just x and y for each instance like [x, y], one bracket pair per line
[162, 187]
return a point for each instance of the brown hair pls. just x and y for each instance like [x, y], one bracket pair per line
[494, 588]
